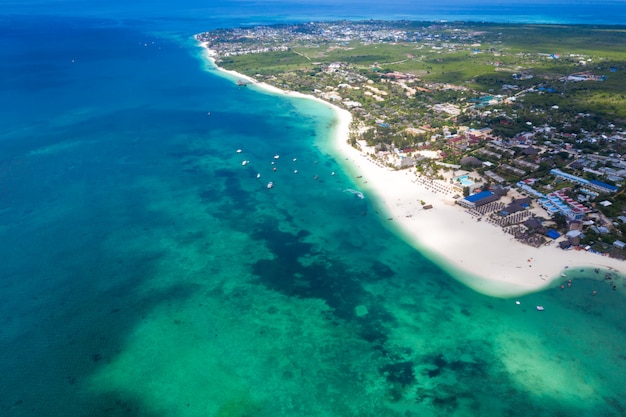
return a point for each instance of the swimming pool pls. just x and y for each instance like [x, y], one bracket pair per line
[464, 180]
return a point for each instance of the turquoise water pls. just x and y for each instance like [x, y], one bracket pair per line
[464, 180]
[146, 271]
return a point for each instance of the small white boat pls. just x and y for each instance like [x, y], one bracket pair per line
[295, 171]
[354, 192]
[238, 150]
[245, 162]
[276, 156]
[539, 308]
[270, 184]
[258, 175]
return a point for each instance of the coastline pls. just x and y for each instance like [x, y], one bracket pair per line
[494, 264]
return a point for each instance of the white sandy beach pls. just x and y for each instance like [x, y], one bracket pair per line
[477, 253]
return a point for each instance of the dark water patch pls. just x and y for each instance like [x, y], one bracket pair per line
[234, 191]
[399, 373]
[374, 328]
[374, 332]
[322, 277]
[381, 270]
[77, 330]
[190, 153]
[439, 364]
[192, 237]
[479, 377]
[471, 365]
[79, 267]
[615, 404]
[209, 196]
[119, 404]
[225, 173]
[229, 201]
[446, 399]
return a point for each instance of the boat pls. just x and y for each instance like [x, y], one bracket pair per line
[276, 156]
[244, 162]
[539, 308]
[270, 184]
[354, 192]
[258, 175]
[242, 83]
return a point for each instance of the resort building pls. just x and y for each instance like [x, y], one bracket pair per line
[528, 190]
[593, 184]
[559, 202]
[478, 199]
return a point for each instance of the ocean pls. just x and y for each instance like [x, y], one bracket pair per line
[146, 271]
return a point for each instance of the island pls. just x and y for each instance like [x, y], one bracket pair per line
[497, 150]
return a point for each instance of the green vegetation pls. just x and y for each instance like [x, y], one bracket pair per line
[270, 63]
[486, 91]
[499, 51]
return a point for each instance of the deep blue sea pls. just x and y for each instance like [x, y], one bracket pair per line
[144, 271]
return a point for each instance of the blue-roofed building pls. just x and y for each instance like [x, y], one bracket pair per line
[593, 184]
[478, 196]
[602, 185]
[478, 199]
[553, 234]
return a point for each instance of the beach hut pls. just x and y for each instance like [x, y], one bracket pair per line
[573, 233]
[471, 161]
[533, 223]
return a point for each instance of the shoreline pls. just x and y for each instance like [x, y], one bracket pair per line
[496, 264]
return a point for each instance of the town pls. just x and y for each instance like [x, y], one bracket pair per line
[524, 124]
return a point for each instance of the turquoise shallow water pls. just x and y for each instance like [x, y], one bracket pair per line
[146, 271]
